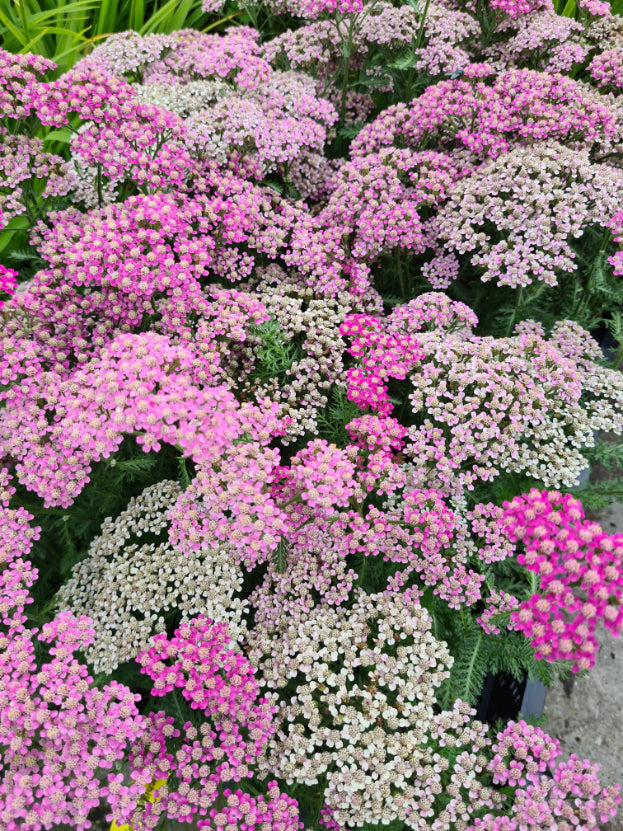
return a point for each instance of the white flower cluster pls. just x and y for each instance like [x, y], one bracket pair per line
[182, 99]
[361, 709]
[132, 576]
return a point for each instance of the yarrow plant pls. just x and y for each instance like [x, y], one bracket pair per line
[579, 569]
[297, 372]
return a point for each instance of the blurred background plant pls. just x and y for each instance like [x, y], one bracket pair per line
[64, 32]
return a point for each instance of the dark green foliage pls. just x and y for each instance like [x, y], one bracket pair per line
[338, 413]
[606, 453]
[596, 496]
[470, 667]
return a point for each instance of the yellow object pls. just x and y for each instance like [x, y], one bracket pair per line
[149, 796]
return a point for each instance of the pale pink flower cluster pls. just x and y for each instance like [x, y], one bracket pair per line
[498, 605]
[24, 165]
[538, 200]
[564, 795]
[597, 8]
[607, 69]
[523, 384]
[141, 384]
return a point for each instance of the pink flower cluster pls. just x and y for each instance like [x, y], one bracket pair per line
[248, 813]
[570, 797]
[436, 529]
[375, 199]
[381, 356]
[58, 731]
[19, 82]
[498, 604]
[340, 454]
[521, 107]
[8, 282]
[216, 680]
[237, 724]
[141, 384]
[24, 165]
[515, 8]
[580, 570]
[607, 69]
[521, 752]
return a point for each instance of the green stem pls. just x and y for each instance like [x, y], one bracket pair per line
[317, 809]
[401, 282]
[178, 708]
[24, 16]
[420, 34]
[345, 70]
[472, 664]
[362, 571]
[511, 322]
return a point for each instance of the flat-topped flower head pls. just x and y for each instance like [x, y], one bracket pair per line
[580, 571]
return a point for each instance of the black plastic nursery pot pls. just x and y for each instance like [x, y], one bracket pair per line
[504, 697]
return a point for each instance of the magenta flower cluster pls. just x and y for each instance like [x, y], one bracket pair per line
[580, 570]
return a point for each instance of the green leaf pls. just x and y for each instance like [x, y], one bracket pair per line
[63, 135]
[469, 669]
[606, 453]
[281, 558]
[350, 130]
[599, 495]
[17, 34]
[404, 62]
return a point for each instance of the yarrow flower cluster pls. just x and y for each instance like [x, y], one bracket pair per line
[264, 459]
[541, 183]
[570, 797]
[580, 576]
[236, 724]
[8, 282]
[59, 732]
[147, 581]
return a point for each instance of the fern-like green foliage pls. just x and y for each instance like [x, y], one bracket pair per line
[333, 419]
[608, 454]
[596, 496]
[275, 354]
[477, 653]
[470, 667]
